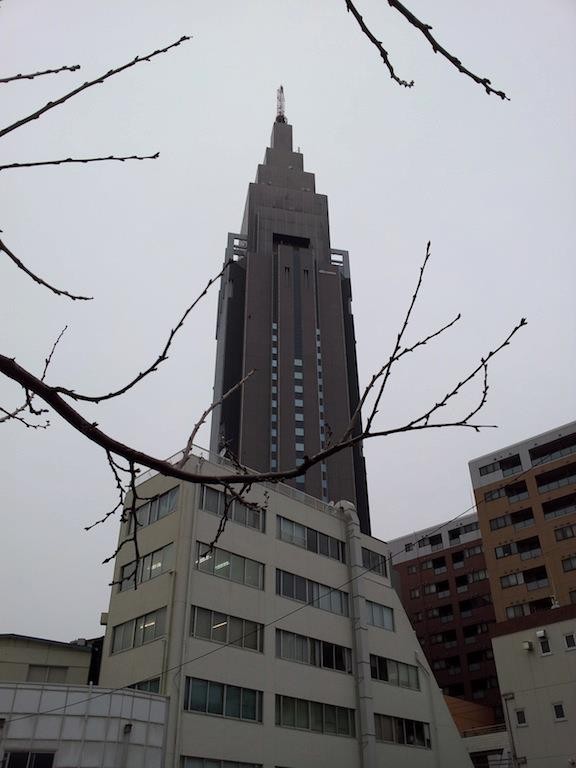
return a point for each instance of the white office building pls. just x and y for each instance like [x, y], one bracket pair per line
[284, 645]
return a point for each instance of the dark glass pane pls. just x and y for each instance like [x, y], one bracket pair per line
[216, 698]
[343, 721]
[211, 501]
[251, 635]
[203, 623]
[233, 698]
[248, 704]
[312, 540]
[419, 738]
[236, 631]
[198, 694]
[329, 719]
[339, 658]
[399, 730]
[300, 588]
[302, 714]
[17, 759]
[287, 584]
[334, 549]
[43, 760]
[316, 720]
[374, 667]
[382, 669]
[328, 655]
[323, 546]
[219, 627]
[288, 711]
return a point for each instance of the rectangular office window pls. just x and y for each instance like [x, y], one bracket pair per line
[497, 493]
[570, 640]
[149, 566]
[227, 565]
[373, 561]
[39, 673]
[205, 762]
[221, 699]
[380, 615]
[140, 631]
[247, 514]
[316, 653]
[314, 716]
[153, 510]
[399, 730]
[222, 628]
[310, 539]
[565, 532]
[307, 591]
[569, 564]
[394, 672]
[559, 713]
[28, 759]
[149, 686]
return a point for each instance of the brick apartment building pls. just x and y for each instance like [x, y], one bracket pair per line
[444, 587]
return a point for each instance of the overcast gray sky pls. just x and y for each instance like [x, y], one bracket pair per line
[492, 184]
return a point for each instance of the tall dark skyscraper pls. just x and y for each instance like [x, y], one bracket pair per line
[284, 310]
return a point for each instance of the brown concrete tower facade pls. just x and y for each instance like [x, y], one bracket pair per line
[284, 311]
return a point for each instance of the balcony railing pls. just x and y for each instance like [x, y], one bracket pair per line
[529, 554]
[536, 584]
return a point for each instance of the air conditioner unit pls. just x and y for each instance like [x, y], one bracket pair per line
[540, 633]
[527, 645]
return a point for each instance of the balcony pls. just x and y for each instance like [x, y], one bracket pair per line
[537, 584]
[556, 478]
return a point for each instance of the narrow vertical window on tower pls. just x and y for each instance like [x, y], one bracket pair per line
[274, 400]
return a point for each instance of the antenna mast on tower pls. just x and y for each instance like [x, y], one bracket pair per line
[280, 105]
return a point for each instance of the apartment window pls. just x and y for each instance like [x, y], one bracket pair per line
[477, 575]
[394, 672]
[150, 686]
[307, 591]
[506, 550]
[314, 716]
[556, 478]
[154, 510]
[136, 632]
[412, 569]
[517, 492]
[29, 759]
[298, 417]
[569, 564]
[399, 730]
[221, 699]
[298, 389]
[565, 505]
[205, 762]
[566, 532]
[570, 640]
[227, 565]
[556, 449]
[515, 611]
[316, 653]
[511, 580]
[299, 447]
[544, 644]
[222, 628]
[429, 589]
[497, 493]
[374, 562]
[310, 539]
[487, 469]
[298, 375]
[414, 593]
[559, 713]
[148, 567]
[248, 515]
[418, 616]
[408, 547]
[299, 431]
[426, 565]
[39, 673]
[499, 522]
[380, 615]
[423, 542]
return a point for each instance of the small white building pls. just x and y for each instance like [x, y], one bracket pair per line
[536, 661]
[283, 645]
[80, 726]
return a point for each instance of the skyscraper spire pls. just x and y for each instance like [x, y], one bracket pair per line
[280, 105]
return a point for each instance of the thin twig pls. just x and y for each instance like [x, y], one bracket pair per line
[190, 444]
[154, 366]
[381, 50]
[39, 280]
[69, 160]
[32, 75]
[437, 48]
[52, 104]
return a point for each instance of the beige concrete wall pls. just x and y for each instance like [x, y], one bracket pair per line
[17, 654]
[534, 682]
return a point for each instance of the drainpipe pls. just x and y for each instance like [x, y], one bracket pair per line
[506, 697]
[363, 679]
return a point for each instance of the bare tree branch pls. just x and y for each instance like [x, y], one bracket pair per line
[425, 29]
[14, 416]
[69, 160]
[39, 280]
[437, 48]
[32, 75]
[190, 444]
[154, 366]
[10, 368]
[381, 50]
[52, 104]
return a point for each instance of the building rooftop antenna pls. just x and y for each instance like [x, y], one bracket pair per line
[280, 105]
